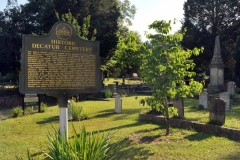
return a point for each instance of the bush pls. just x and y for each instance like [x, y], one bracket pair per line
[108, 93]
[28, 110]
[83, 146]
[16, 112]
[43, 107]
[77, 111]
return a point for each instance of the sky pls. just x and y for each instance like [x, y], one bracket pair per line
[147, 12]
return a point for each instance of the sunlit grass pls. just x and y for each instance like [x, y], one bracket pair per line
[133, 139]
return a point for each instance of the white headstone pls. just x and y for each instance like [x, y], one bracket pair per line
[203, 99]
[231, 88]
[69, 110]
[226, 97]
[118, 104]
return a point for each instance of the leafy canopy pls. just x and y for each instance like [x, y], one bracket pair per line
[167, 66]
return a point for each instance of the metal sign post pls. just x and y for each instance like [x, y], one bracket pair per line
[63, 116]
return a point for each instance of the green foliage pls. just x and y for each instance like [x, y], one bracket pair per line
[16, 112]
[127, 56]
[83, 146]
[166, 67]
[43, 107]
[28, 110]
[82, 31]
[173, 111]
[77, 111]
[108, 93]
[204, 21]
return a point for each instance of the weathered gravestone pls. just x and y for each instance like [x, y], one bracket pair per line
[59, 64]
[118, 104]
[203, 100]
[226, 97]
[178, 103]
[231, 88]
[217, 111]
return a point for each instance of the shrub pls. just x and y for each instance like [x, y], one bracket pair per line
[77, 111]
[108, 93]
[28, 110]
[43, 107]
[16, 112]
[83, 146]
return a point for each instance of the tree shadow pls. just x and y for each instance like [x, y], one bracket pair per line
[198, 137]
[49, 120]
[126, 150]
[120, 116]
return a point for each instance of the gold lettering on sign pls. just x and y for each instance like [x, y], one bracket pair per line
[51, 70]
[61, 44]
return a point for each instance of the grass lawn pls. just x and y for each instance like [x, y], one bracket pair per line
[134, 139]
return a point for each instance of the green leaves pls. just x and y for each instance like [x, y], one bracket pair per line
[167, 67]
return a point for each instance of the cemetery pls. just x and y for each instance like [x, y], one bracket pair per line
[84, 90]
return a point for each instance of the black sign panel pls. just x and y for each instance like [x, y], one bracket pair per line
[59, 63]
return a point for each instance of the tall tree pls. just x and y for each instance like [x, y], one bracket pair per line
[10, 38]
[206, 19]
[166, 66]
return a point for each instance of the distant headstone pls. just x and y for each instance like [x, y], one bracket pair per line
[226, 97]
[231, 88]
[135, 75]
[217, 111]
[203, 99]
[123, 80]
[178, 103]
[69, 110]
[118, 104]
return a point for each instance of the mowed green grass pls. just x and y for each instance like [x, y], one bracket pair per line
[132, 138]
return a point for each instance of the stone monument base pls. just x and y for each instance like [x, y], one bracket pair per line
[215, 89]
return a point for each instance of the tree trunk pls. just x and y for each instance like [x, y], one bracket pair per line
[167, 118]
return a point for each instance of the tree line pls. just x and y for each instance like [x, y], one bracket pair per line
[121, 50]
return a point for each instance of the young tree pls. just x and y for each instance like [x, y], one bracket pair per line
[82, 31]
[165, 68]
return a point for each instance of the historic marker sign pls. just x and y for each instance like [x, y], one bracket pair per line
[59, 63]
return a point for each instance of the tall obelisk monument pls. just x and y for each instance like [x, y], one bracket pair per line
[216, 70]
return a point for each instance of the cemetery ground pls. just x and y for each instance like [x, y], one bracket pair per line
[132, 139]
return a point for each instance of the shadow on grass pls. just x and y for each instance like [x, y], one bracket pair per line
[233, 156]
[49, 120]
[198, 137]
[110, 112]
[126, 150]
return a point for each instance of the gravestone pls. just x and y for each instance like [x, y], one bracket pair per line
[135, 76]
[178, 103]
[69, 110]
[226, 97]
[231, 88]
[118, 104]
[216, 71]
[203, 99]
[217, 111]
[123, 80]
